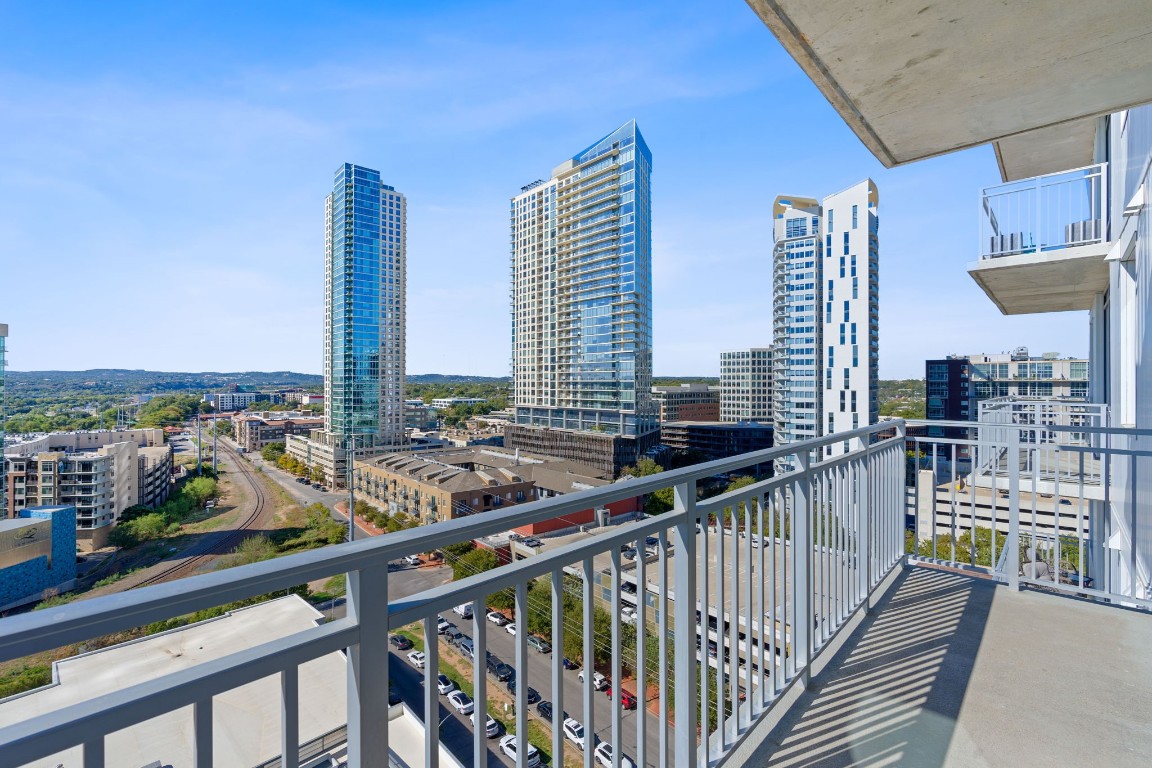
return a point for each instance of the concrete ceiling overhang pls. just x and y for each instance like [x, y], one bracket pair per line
[919, 78]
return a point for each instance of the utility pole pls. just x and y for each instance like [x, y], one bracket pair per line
[348, 459]
[215, 432]
[199, 444]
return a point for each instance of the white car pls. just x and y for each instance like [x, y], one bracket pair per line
[442, 624]
[417, 659]
[603, 755]
[492, 728]
[574, 731]
[508, 747]
[497, 618]
[510, 629]
[444, 684]
[412, 560]
[628, 615]
[599, 682]
[460, 701]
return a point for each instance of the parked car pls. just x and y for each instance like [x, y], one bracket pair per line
[599, 682]
[491, 727]
[510, 628]
[574, 731]
[628, 587]
[539, 644]
[400, 642]
[544, 709]
[317, 486]
[533, 694]
[503, 672]
[464, 610]
[412, 560]
[466, 648]
[628, 615]
[444, 685]
[627, 698]
[453, 635]
[603, 755]
[630, 554]
[508, 747]
[442, 624]
[417, 659]
[569, 664]
[461, 703]
[497, 618]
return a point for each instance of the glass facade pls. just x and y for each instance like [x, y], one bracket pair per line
[364, 309]
[582, 291]
[797, 320]
[3, 418]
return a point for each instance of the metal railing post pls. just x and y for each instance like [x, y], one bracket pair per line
[802, 568]
[1012, 560]
[684, 617]
[367, 606]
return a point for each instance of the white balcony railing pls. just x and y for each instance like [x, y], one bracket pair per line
[1045, 213]
[764, 589]
[736, 603]
[1035, 497]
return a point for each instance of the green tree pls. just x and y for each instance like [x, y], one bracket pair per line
[200, 489]
[317, 473]
[272, 452]
[476, 561]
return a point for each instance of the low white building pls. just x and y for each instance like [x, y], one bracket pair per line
[245, 720]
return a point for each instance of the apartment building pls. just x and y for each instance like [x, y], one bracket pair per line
[687, 402]
[365, 257]
[437, 485]
[745, 385]
[826, 314]
[254, 431]
[582, 306]
[101, 473]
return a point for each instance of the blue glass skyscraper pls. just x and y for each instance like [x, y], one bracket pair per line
[582, 298]
[364, 311]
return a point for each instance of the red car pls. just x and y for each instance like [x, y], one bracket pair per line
[627, 698]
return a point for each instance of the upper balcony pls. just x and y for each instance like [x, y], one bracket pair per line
[800, 619]
[1043, 242]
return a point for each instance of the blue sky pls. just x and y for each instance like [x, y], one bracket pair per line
[165, 167]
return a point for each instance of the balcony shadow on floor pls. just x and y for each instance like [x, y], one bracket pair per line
[893, 693]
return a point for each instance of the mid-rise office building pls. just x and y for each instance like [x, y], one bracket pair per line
[826, 309]
[687, 402]
[365, 260]
[37, 554]
[236, 401]
[746, 385]
[957, 384]
[582, 306]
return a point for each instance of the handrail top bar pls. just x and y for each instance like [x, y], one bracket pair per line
[28, 633]
[1023, 183]
[1087, 429]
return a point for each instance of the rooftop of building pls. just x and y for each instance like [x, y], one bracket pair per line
[719, 424]
[476, 467]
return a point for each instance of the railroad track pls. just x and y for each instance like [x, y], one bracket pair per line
[226, 544]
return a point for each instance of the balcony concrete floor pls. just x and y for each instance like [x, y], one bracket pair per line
[953, 670]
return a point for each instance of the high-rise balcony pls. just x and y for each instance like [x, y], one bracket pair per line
[813, 617]
[1043, 241]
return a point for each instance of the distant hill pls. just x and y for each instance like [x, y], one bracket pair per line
[452, 378]
[123, 381]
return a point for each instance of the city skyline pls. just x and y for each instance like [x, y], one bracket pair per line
[135, 162]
